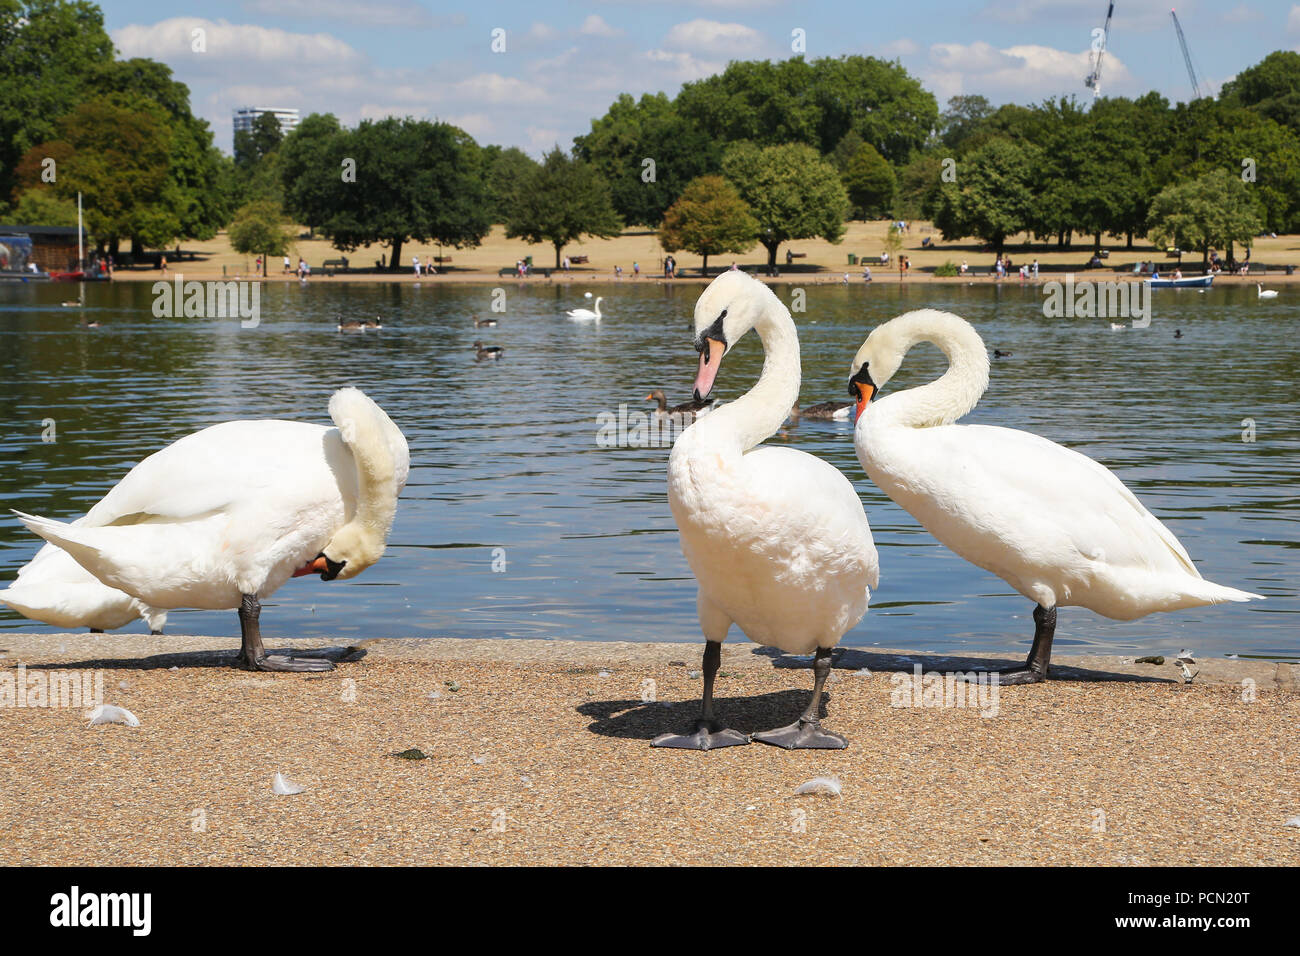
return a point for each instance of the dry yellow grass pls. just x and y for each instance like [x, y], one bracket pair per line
[863, 238]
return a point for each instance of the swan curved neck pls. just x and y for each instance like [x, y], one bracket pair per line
[952, 395]
[758, 413]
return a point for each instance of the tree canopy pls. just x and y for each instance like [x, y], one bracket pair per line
[708, 219]
[561, 201]
[1212, 211]
[793, 192]
[386, 181]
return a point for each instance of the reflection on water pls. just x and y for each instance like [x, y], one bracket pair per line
[505, 455]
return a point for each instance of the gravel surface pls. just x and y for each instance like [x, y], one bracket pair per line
[540, 755]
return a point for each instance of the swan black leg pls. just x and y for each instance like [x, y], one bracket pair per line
[1034, 670]
[252, 655]
[806, 733]
[708, 733]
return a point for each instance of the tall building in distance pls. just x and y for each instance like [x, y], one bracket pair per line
[244, 116]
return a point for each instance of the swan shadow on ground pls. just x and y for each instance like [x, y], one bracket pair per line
[224, 658]
[636, 719]
[855, 658]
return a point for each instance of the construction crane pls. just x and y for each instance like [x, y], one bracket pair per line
[1099, 39]
[1187, 57]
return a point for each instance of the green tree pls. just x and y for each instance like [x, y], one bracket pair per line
[507, 169]
[255, 144]
[561, 201]
[870, 182]
[387, 181]
[1211, 211]
[311, 168]
[1271, 88]
[964, 115]
[258, 229]
[48, 49]
[632, 132]
[709, 219]
[118, 159]
[993, 195]
[793, 192]
[40, 207]
[194, 164]
[918, 187]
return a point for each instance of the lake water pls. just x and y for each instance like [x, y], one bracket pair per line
[505, 455]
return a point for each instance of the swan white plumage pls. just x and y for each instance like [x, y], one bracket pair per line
[1265, 293]
[54, 589]
[223, 517]
[586, 315]
[778, 539]
[1054, 524]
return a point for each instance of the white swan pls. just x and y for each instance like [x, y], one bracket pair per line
[1265, 293]
[55, 589]
[586, 315]
[223, 517]
[777, 539]
[1054, 524]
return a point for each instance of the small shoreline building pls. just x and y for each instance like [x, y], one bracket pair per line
[51, 248]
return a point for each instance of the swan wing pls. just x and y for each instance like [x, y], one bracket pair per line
[1049, 520]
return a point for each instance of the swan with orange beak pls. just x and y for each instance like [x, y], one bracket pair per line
[223, 517]
[777, 538]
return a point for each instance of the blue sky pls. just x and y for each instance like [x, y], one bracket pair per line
[564, 62]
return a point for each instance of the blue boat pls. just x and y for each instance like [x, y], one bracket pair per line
[1188, 282]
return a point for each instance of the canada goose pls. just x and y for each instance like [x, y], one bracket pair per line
[823, 411]
[688, 410]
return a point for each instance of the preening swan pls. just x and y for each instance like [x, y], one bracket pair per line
[55, 589]
[223, 517]
[777, 539]
[1054, 524]
[1265, 293]
[586, 315]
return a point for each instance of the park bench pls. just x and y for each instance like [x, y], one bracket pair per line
[333, 265]
[441, 259]
[577, 260]
[791, 256]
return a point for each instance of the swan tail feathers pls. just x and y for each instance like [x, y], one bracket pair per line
[1219, 593]
[65, 536]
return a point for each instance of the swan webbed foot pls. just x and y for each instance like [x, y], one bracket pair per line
[803, 734]
[283, 662]
[1009, 676]
[708, 735]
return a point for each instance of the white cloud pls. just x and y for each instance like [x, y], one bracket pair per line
[226, 42]
[595, 26]
[384, 13]
[732, 40]
[1023, 74]
[496, 89]
[1293, 19]
[678, 68]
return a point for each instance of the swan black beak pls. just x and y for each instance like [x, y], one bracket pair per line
[326, 567]
[862, 388]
